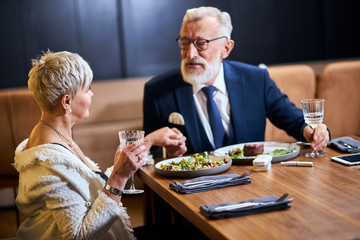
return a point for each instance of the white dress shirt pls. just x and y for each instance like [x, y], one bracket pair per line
[222, 102]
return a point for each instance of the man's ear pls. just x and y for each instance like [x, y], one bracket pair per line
[229, 45]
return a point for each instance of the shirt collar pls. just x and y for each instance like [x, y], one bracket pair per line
[219, 82]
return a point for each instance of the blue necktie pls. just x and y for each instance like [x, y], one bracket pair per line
[214, 117]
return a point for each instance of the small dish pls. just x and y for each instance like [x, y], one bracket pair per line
[268, 147]
[193, 173]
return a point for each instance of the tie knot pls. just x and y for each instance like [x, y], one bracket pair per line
[208, 91]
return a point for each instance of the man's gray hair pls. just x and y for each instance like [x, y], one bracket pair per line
[224, 19]
[57, 74]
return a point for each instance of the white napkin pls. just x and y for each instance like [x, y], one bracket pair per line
[148, 160]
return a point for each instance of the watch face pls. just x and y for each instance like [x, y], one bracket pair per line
[115, 191]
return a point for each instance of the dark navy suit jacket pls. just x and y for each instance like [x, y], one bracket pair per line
[253, 97]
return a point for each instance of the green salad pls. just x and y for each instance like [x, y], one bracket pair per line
[279, 152]
[195, 162]
[238, 152]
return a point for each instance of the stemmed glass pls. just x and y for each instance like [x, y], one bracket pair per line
[313, 110]
[127, 138]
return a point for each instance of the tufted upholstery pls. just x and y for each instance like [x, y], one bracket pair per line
[116, 105]
[298, 82]
[19, 114]
[339, 85]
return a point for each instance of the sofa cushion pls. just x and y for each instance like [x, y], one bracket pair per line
[116, 105]
[297, 82]
[339, 85]
[19, 114]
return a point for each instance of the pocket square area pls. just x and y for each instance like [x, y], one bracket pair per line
[176, 118]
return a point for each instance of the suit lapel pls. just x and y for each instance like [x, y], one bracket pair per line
[235, 86]
[193, 126]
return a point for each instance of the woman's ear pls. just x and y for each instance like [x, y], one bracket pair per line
[66, 102]
[229, 45]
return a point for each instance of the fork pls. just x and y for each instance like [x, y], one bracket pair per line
[303, 143]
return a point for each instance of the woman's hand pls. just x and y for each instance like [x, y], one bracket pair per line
[126, 162]
[172, 139]
[129, 160]
[318, 137]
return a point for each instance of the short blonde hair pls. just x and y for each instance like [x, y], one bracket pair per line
[57, 74]
[224, 19]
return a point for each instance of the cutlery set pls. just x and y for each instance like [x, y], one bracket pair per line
[212, 181]
[348, 145]
[251, 204]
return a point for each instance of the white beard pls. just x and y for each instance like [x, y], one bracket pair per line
[193, 77]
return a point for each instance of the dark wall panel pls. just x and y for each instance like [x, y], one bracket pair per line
[150, 30]
[98, 36]
[341, 25]
[49, 24]
[132, 38]
[276, 31]
[268, 32]
[12, 68]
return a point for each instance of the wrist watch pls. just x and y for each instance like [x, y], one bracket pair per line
[113, 190]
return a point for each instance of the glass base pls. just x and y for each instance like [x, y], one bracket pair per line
[315, 154]
[133, 191]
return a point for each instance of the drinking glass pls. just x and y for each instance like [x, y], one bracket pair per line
[313, 110]
[127, 138]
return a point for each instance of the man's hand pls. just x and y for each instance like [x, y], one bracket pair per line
[172, 139]
[180, 148]
[318, 137]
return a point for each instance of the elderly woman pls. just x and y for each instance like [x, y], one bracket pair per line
[63, 193]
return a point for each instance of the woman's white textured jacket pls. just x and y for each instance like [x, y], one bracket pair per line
[62, 197]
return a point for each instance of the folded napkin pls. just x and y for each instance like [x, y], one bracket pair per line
[148, 160]
[256, 205]
[338, 143]
[210, 182]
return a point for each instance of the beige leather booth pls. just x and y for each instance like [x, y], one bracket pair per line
[339, 85]
[298, 82]
[117, 105]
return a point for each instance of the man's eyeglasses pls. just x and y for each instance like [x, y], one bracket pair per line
[200, 44]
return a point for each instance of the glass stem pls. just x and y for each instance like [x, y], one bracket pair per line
[132, 187]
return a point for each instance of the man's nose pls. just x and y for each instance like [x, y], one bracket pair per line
[192, 51]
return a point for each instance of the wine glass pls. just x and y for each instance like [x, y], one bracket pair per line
[313, 110]
[127, 138]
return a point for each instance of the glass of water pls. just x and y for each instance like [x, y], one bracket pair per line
[313, 110]
[127, 138]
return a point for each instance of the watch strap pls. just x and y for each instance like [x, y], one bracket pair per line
[113, 190]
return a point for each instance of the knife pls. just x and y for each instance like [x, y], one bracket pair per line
[348, 145]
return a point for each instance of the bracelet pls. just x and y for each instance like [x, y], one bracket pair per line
[113, 190]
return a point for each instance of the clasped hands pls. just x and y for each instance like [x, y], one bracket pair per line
[172, 139]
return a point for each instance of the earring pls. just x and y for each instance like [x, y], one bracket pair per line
[69, 110]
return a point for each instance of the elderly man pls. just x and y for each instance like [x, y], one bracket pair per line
[215, 102]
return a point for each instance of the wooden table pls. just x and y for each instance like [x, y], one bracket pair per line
[326, 201]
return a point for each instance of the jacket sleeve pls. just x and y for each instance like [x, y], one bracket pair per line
[61, 204]
[151, 117]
